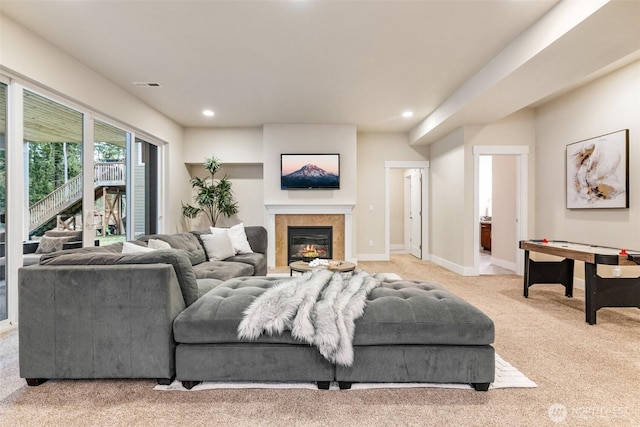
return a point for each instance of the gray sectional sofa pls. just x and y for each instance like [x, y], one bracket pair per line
[173, 313]
[98, 313]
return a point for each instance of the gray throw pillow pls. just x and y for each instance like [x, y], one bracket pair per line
[51, 244]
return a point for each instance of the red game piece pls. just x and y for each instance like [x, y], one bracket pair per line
[623, 252]
[545, 240]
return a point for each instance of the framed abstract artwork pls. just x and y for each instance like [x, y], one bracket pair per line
[598, 172]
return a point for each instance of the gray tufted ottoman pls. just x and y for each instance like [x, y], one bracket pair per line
[410, 332]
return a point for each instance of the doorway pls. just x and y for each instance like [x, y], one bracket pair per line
[497, 215]
[513, 224]
[418, 226]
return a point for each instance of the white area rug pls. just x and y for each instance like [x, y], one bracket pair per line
[387, 276]
[506, 377]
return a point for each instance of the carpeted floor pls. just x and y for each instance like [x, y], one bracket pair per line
[586, 375]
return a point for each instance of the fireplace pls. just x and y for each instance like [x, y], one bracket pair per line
[306, 242]
[279, 217]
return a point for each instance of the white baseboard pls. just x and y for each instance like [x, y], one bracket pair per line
[503, 263]
[397, 248]
[463, 271]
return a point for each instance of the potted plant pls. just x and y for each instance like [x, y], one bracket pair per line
[213, 197]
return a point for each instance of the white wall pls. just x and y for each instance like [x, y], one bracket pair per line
[446, 200]
[396, 210]
[240, 150]
[374, 149]
[303, 138]
[453, 217]
[606, 105]
[246, 183]
[230, 145]
[515, 129]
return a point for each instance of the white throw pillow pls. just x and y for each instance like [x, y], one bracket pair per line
[158, 244]
[217, 245]
[239, 239]
[132, 248]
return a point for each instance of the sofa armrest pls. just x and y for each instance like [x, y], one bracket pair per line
[98, 321]
[257, 237]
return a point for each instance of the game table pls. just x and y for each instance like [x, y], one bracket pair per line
[599, 291]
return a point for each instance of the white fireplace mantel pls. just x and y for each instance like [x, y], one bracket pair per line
[326, 209]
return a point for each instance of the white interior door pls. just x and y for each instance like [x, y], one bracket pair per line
[415, 215]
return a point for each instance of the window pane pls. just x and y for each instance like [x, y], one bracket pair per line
[109, 156]
[145, 188]
[53, 146]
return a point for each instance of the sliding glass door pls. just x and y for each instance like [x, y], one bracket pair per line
[110, 182]
[53, 159]
[67, 171]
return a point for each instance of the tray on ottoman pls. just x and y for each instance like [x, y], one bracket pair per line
[409, 332]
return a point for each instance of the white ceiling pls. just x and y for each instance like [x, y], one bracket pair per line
[360, 62]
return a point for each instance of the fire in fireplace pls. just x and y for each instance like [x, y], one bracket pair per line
[307, 242]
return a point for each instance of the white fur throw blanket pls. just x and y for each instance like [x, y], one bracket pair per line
[319, 308]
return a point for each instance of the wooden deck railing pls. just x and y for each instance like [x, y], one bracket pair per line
[63, 197]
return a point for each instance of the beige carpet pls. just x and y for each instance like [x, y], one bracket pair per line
[586, 375]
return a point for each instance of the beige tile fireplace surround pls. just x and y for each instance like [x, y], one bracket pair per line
[339, 217]
[336, 221]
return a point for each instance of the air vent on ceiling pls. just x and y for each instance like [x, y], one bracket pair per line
[147, 84]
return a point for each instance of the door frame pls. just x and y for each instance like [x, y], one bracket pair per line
[424, 166]
[521, 152]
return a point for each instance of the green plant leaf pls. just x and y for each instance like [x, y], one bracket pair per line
[214, 197]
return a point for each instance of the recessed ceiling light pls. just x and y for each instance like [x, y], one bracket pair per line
[208, 113]
[407, 114]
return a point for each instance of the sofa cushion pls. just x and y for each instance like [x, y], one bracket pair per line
[215, 317]
[74, 234]
[397, 313]
[132, 248]
[185, 241]
[238, 238]
[436, 317]
[205, 285]
[177, 258]
[217, 245]
[256, 236]
[257, 260]
[222, 270]
[51, 244]
[158, 244]
[114, 248]
[31, 259]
